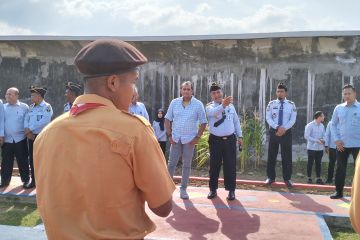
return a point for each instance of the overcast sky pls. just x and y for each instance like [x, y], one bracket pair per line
[171, 17]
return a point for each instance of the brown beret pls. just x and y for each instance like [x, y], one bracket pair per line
[38, 90]
[76, 88]
[108, 56]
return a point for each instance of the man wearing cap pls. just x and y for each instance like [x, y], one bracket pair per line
[15, 144]
[281, 116]
[110, 162]
[39, 115]
[225, 132]
[72, 91]
[181, 124]
[136, 107]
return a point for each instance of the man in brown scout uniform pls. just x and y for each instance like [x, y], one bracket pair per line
[109, 162]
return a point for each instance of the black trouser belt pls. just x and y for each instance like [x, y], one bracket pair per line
[222, 138]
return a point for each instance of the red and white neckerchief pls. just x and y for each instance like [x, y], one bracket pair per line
[81, 107]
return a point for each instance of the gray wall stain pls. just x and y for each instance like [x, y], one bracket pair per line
[234, 63]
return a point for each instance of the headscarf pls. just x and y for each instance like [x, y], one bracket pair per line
[160, 120]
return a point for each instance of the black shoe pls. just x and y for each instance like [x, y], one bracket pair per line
[29, 185]
[2, 185]
[269, 181]
[309, 181]
[336, 195]
[319, 181]
[289, 184]
[212, 194]
[231, 196]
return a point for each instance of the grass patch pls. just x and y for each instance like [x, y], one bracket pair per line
[19, 214]
[343, 234]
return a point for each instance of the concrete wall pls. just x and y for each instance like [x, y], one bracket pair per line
[313, 67]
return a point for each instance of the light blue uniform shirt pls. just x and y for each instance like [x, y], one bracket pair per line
[329, 137]
[313, 133]
[14, 121]
[231, 123]
[185, 120]
[139, 109]
[289, 114]
[345, 124]
[2, 119]
[67, 107]
[160, 135]
[38, 117]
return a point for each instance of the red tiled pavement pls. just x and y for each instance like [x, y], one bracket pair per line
[253, 215]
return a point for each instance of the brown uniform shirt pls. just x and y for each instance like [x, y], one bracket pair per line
[94, 172]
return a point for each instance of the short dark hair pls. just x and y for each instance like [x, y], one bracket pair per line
[318, 114]
[187, 83]
[282, 86]
[349, 86]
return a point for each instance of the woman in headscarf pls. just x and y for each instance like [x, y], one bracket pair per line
[159, 129]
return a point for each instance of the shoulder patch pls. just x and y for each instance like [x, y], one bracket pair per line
[48, 108]
[291, 102]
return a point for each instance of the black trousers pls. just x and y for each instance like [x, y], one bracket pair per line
[332, 160]
[316, 156]
[222, 152]
[9, 151]
[163, 147]
[31, 158]
[342, 159]
[285, 142]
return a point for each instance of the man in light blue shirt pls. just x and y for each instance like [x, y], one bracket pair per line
[225, 132]
[15, 144]
[136, 107]
[181, 124]
[330, 149]
[72, 91]
[281, 116]
[314, 134]
[39, 115]
[345, 124]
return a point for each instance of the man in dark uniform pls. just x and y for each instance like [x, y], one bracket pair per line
[281, 116]
[72, 91]
[225, 131]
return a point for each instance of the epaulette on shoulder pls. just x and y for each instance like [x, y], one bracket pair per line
[140, 118]
[291, 102]
[272, 101]
[32, 105]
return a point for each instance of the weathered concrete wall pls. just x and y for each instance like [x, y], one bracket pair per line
[314, 68]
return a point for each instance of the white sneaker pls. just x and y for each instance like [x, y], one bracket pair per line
[183, 194]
